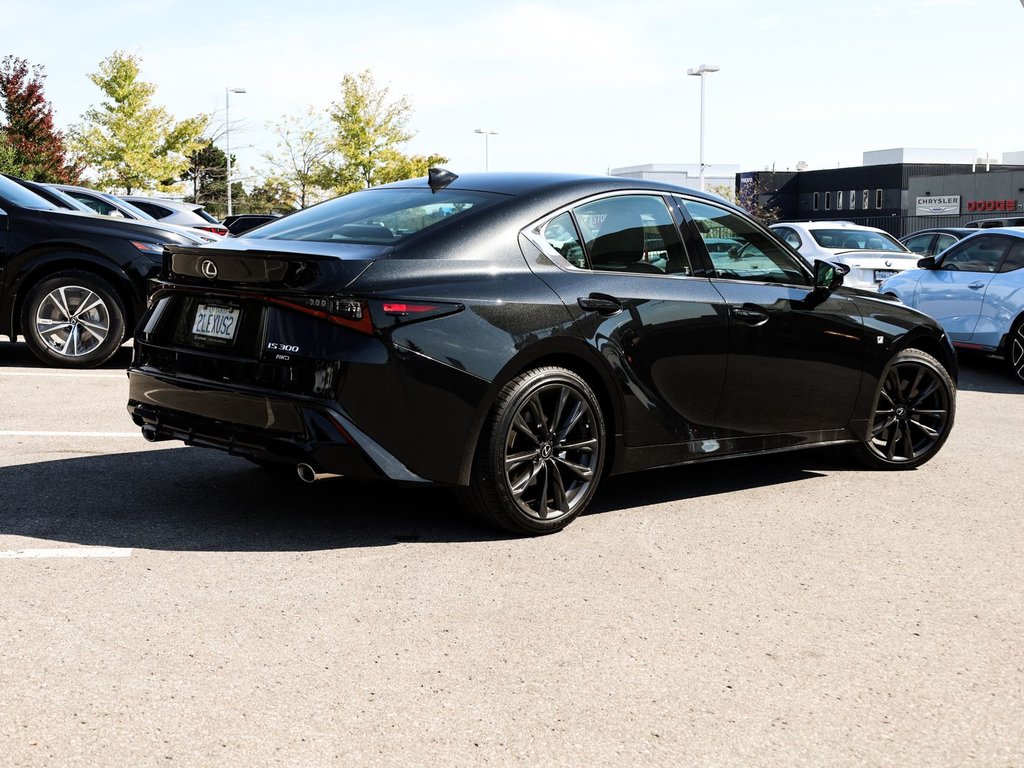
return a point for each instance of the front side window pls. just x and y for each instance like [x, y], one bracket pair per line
[943, 241]
[1014, 259]
[919, 243]
[100, 206]
[757, 258]
[978, 254]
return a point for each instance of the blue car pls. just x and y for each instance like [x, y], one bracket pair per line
[975, 289]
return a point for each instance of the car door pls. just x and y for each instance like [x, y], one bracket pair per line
[795, 354]
[1004, 299]
[620, 266]
[954, 291]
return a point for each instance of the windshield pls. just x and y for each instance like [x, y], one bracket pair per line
[13, 192]
[856, 240]
[376, 216]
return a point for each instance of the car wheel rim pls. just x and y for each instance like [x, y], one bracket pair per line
[551, 451]
[72, 321]
[1017, 352]
[911, 413]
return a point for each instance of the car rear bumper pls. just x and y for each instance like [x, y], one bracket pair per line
[258, 424]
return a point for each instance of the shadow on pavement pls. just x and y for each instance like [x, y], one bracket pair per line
[17, 355]
[193, 499]
[984, 373]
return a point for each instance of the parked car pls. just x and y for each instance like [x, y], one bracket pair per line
[871, 254]
[176, 212]
[72, 283]
[975, 289]
[931, 242]
[521, 336]
[1004, 221]
[243, 222]
[111, 205]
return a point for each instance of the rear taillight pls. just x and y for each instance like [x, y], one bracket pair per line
[216, 229]
[362, 315]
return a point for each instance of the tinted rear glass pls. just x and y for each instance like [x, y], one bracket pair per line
[378, 216]
[856, 240]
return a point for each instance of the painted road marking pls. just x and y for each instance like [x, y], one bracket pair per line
[68, 374]
[20, 433]
[66, 552]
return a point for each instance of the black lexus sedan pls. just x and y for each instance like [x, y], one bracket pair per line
[521, 336]
[72, 283]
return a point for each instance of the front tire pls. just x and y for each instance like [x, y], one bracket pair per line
[914, 408]
[1015, 349]
[73, 319]
[539, 458]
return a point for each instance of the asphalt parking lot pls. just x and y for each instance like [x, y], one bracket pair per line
[165, 605]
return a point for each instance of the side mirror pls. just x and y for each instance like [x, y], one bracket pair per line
[928, 262]
[828, 276]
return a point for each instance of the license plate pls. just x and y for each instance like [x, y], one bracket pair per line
[215, 322]
[882, 274]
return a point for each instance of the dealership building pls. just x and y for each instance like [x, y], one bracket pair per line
[898, 190]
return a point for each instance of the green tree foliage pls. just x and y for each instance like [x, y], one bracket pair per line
[369, 127]
[301, 160]
[133, 145]
[7, 162]
[35, 147]
[207, 175]
[274, 195]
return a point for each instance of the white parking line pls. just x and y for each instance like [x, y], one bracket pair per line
[68, 374]
[65, 552]
[20, 433]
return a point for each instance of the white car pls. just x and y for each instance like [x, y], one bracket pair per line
[871, 254]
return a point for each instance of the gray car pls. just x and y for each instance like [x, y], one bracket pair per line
[110, 205]
[177, 212]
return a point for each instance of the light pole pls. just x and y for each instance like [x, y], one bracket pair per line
[227, 134]
[701, 71]
[487, 137]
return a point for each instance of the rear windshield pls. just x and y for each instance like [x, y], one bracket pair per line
[375, 216]
[856, 240]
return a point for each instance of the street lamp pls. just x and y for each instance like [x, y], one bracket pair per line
[487, 137]
[227, 134]
[704, 69]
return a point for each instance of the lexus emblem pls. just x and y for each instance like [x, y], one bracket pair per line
[209, 269]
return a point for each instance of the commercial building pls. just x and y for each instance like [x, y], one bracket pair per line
[898, 190]
[682, 175]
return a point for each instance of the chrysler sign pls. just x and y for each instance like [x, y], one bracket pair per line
[938, 206]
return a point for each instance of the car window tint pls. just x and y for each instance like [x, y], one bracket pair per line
[756, 256]
[560, 233]
[1014, 259]
[919, 243]
[632, 233]
[979, 254]
[99, 206]
[943, 241]
[789, 235]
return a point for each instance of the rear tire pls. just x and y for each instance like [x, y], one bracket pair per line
[913, 413]
[73, 319]
[540, 455]
[1015, 349]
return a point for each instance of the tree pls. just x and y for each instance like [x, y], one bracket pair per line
[207, 174]
[132, 145]
[274, 195]
[368, 130]
[36, 146]
[7, 163]
[301, 159]
[752, 198]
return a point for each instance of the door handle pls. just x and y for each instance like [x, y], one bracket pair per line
[749, 314]
[976, 285]
[601, 303]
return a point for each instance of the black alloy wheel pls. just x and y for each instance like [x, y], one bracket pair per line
[73, 319]
[540, 457]
[1015, 349]
[913, 414]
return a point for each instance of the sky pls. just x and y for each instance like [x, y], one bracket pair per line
[569, 86]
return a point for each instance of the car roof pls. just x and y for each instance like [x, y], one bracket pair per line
[518, 183]
[836, 224]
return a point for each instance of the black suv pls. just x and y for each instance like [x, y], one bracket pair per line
[73, 284]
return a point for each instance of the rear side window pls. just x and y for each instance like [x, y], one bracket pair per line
[376, 216]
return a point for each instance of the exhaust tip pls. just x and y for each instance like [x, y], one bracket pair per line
[306, 473]
[150, 434]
